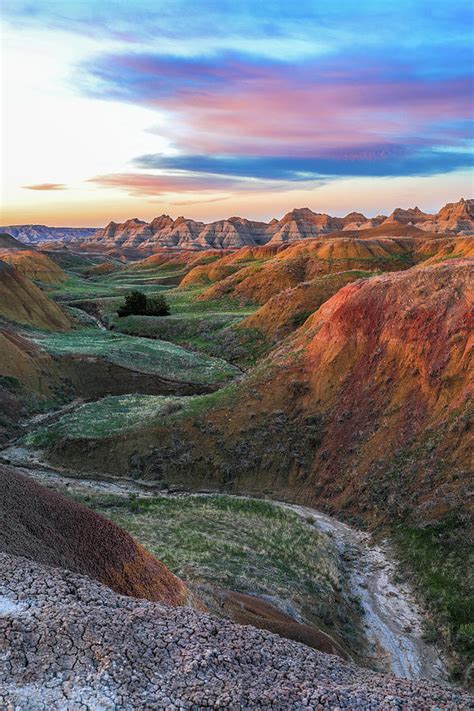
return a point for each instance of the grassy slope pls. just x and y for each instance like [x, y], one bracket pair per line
[114, 414]
[207, 327]
[147, 356]
[248, 546]
[441, 560]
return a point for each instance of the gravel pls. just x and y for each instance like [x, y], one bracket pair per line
[68, 643]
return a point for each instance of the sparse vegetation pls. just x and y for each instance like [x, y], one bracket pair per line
[243, 545]
[441, 559]
[148, 356]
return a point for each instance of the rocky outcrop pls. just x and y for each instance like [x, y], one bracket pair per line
[35, 234]
[455, 217]
[69, 643]
[45, 527]
[412, 216]
[137, 237]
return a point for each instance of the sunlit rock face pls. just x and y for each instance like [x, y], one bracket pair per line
[298, 224]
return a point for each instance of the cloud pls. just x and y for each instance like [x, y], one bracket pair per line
[147, 184]
[235, 105]
[46, 186]
[271, 28]
[372, 161]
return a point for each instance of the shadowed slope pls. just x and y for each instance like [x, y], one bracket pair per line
[47, 528]
[10, 243]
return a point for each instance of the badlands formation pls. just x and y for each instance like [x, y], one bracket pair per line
[319, 361]
[298, 224]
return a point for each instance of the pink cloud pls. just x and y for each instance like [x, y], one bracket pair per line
[141, 184]
[46, 186]
[232, 105]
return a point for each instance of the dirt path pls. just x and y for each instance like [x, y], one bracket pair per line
[392, 617]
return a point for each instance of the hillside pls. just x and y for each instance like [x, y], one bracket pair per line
[94, 647]
[361, 411]
[304, 261]
[35, 234]
[23, 302]
[34, 265]
[9, 243]
[49, 529]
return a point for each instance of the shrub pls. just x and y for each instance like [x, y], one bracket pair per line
[135, 303]
[138, 304]
[157, 306]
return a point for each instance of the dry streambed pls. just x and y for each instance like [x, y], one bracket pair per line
[392, 617]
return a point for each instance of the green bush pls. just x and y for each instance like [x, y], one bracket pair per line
[157, 306]
[138, 304]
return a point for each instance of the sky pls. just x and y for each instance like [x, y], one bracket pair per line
[113, 109]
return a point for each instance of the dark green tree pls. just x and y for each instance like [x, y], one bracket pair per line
[138, 304]
[157, 306]
[135, 303]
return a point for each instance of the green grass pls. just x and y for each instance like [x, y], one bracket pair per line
[441, 559]
[109, 416]
[147, 356]
[203, 326]
[117, 284]
[243, 545]
[117, 414]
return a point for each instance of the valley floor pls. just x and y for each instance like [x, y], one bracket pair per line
[392, 618]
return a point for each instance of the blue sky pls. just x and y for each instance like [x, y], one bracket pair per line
[250, 107]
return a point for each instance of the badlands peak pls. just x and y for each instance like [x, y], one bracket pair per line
[300, 223]
[164, 232]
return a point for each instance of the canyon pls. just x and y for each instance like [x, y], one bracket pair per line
[288, 449]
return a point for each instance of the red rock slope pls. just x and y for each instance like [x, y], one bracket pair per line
[47, 528]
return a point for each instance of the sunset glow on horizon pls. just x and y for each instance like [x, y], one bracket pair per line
[115, 110]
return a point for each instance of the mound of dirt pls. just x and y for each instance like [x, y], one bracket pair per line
[47, 528]
[308, 259]
[70, 643]
[250, 610]
[23, 302]
[289, 309]
[34, 265]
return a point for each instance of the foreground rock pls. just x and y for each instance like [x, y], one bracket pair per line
[68, 643]
[47, 528]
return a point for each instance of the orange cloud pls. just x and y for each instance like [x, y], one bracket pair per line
[46, 186]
